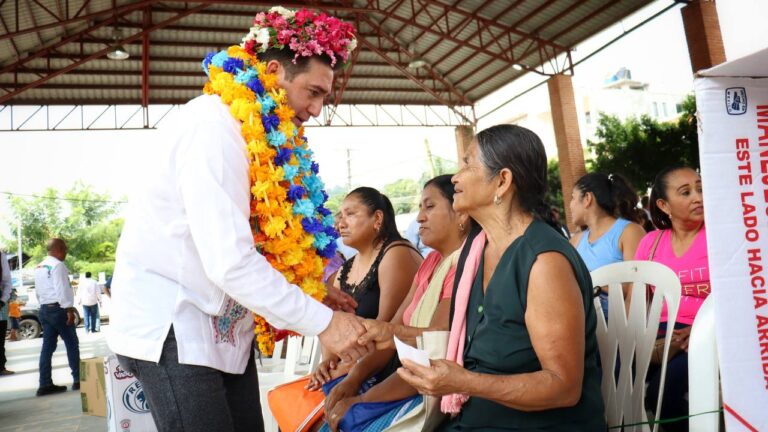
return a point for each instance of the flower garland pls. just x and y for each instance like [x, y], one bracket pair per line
[291, 226]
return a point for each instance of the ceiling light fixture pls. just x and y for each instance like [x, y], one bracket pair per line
[417, 61]
[517, 67]
[118, 51]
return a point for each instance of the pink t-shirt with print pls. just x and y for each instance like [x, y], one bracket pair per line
[692, 268]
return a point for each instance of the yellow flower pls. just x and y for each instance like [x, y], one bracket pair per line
[274, 226]
[269, 81]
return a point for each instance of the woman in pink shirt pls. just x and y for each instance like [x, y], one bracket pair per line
[680, 243]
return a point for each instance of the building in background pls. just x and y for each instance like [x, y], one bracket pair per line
[620, 95]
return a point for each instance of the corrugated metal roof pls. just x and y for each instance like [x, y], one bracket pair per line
[470, 46]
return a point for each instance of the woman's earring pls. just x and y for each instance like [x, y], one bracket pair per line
[496, 199]
[461, 226]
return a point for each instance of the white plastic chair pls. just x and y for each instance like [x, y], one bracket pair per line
[703, 371]
[301, 357]
[632, 336]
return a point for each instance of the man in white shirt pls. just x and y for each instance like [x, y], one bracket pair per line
[89, 295]
[188, 274]
[5, 297]
[57, 315]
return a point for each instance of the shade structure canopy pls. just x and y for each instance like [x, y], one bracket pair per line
[411, 52]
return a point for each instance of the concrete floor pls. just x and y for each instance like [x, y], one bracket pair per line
[21, 410]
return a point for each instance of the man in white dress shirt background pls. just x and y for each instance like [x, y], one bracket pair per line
[89, 295]
[5, 297]
[57, 315]
[188, 275]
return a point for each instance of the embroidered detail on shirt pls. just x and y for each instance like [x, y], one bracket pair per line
[224, 325]
[47, 267]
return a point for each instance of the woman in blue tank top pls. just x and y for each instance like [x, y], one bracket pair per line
[605, 207]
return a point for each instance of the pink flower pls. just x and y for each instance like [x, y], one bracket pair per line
[284, 36]
[303, 16]
[305, 32]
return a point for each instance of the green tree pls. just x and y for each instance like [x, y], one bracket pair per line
[404, 194]
[335, 197]
[639, 147]
[82, 217]
[554, 187]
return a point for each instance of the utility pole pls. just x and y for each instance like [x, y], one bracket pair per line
[349, 169]
[20, 257]
[430, 159]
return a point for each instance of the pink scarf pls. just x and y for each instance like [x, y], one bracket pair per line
[452, 403]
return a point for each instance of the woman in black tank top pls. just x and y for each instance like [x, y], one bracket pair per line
[381, 273]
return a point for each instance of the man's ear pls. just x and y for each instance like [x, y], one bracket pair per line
[274, 67]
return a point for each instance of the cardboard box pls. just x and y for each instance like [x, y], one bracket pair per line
[127, 407]
[92, 387]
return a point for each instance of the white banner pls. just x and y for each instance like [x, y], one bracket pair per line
[732, 101]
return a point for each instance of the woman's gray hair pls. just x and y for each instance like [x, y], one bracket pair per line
[521, 151]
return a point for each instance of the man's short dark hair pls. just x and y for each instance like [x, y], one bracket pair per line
[87, 274]
[285, 56]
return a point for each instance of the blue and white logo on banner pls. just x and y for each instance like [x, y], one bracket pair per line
[134, 399]
[736, 100]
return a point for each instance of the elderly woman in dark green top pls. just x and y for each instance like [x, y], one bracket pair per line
[530, 352]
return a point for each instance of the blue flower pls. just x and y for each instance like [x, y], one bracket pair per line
[330, 231]
[303, 207]
[207, 61]
[244, 76]
[321, 240]
[296, 192]
[267, 104]
[276, 138]
[270, 122]
[328, 251]
[305, 164]
[255, 86]
[315, 167]
[312, 183]
[232, 65]
[289, 172]
[328, 220]
[283, 156]
[300, 152]
[317, 197]
[323, 211]
[219, 58]
[311, 225]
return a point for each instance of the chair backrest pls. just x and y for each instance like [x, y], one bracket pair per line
[302, 354]
[703, 371]
[632, 336]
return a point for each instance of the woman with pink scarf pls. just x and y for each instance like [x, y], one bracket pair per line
[522, 352]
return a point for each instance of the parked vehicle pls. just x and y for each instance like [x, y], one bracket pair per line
[29, 323]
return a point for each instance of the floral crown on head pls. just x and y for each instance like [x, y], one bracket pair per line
[305, 32]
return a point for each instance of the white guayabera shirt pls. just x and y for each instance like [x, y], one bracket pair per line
[52, 283]
[186, 256]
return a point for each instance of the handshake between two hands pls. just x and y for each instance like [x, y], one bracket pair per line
[352, 337]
